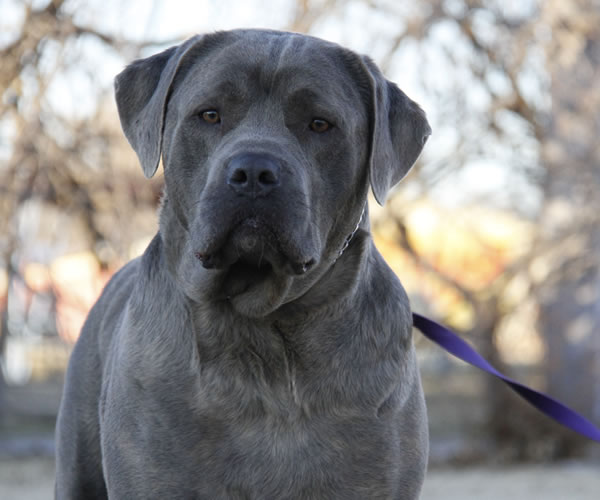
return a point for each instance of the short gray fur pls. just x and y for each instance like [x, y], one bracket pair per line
[239, 357]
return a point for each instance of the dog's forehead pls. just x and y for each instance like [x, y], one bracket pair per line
[273, 60]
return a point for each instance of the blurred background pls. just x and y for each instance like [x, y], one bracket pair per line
[496, 231]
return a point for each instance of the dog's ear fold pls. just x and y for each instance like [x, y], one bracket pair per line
[142, 91]
[399, 130]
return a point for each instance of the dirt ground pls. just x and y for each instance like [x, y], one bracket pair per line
[32, 479]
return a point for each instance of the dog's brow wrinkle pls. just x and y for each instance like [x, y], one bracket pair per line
[281, 58]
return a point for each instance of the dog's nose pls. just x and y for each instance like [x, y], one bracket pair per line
[253, 174]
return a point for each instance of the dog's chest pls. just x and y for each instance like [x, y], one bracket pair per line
[253, 414]
[264, 438]
[290, 408]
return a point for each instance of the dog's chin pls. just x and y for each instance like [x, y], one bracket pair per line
[255, 289]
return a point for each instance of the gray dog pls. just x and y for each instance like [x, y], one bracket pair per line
[260, 348]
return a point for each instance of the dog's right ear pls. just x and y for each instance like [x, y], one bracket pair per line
[141, 92]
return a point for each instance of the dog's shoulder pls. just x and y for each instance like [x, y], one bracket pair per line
[107, 311]
[382, 280]
[384, 295]
[118, 290]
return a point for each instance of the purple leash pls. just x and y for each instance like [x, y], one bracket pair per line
[456, 346]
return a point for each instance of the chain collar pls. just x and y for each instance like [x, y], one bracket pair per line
[351, 235]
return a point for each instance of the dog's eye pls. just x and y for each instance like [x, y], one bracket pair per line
[211, 116]
[318, 125]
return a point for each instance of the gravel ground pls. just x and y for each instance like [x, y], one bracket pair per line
[552, 482]
[32, 479]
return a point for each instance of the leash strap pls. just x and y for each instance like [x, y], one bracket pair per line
[449, 341]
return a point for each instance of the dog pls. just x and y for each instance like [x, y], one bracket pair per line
[260, 348]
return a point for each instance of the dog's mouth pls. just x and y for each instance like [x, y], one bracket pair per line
[245, 273]
[251, 254]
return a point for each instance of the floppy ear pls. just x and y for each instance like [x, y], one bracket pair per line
[141, 92]
[399, 130]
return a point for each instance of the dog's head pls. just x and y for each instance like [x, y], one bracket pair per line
[269, 142]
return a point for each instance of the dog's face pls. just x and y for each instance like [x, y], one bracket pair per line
[269, 143]
[259, 153]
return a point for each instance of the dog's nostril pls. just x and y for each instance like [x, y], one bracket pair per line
[253, 174]
[267, 177]
[239, 176]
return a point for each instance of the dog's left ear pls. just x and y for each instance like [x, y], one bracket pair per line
[399, 130]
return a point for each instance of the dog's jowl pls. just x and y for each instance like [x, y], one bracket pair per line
[260, 348]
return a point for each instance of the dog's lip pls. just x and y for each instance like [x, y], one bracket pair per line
[214, 261]
[253, 240]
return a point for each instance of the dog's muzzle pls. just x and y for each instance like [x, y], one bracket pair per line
[257, 228]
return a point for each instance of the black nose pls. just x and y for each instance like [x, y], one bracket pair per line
[253, 174]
